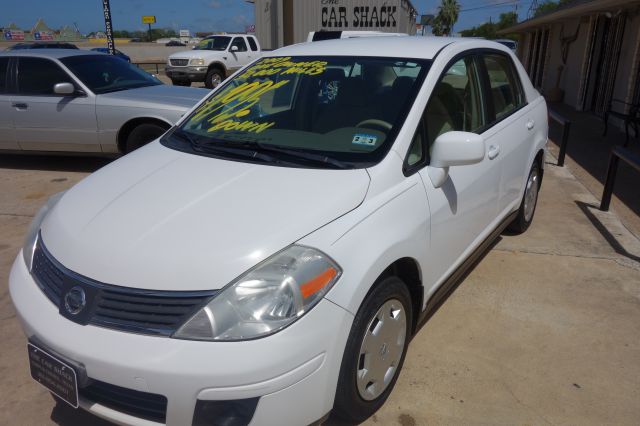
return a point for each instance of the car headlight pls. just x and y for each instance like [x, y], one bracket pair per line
[197, 61]
[34, 228]
[267, 298]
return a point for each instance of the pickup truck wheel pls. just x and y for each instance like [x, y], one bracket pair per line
[214, 77]
[142, 134]
[529, 201]
[375, 351]
[186, 83]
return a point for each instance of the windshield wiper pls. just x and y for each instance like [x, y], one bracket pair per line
[222, 149]
[297, 154]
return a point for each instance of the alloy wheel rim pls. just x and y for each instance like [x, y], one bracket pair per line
[531, 195]
[215, 80]
[381, 350]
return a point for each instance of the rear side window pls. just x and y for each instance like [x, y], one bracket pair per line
[506, 90]
[252, 44]
[37, 76]
[4, 74]
[240, 44]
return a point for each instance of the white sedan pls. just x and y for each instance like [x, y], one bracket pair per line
[269, 258]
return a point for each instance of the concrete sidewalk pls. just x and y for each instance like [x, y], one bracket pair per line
[544, 330]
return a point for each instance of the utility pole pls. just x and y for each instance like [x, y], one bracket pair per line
[106, 9]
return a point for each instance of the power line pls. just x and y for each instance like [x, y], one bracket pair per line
[505, 3]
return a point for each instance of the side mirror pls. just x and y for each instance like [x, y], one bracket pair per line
[454, 149]
[233, 49]
[65, 89]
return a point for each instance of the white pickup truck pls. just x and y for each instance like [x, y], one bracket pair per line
[212, 60]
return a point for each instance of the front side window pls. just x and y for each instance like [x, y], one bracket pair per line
[456, 101]
[240, 44]
[106, 73]
[37, 76]
[306, 111]
[506, 91]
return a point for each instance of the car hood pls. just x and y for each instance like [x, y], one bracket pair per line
[154, 96]
[166, 220]
[190, 54]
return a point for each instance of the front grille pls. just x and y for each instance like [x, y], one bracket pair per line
[120, 308]
[179, 62]
[149, 406]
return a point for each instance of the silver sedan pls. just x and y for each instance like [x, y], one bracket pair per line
[59, 100]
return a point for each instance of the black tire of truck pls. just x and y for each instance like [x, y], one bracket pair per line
[214, 77]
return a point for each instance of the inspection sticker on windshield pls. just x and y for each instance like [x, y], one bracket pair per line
[366, 140]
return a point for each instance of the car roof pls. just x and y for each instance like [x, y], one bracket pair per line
[49, 53]
[393, 47]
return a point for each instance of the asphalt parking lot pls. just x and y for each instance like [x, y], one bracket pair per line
[544, 330]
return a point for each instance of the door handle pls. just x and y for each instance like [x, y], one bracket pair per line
[20, 105]
[494, 150]
[530, 124]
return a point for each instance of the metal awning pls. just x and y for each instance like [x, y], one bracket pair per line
[573, 10]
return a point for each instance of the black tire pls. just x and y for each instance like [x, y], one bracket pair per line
[214, 77]
[185, 83]
[527, 210]
[350, 406]
[142, 134]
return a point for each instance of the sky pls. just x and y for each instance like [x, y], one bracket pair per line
[200, 15]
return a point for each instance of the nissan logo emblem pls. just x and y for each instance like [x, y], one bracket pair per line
[75, 300]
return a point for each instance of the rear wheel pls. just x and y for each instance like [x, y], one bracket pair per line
[529, 201]
[142, 134]
[375, 351]
[213, 78]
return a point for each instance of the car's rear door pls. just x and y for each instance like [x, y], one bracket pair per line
[46, 121]
[510, 134]
[7, 128]
[464, 208]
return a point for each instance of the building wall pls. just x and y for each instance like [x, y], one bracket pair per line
[628, 66]
[281, 22]
[574, 76]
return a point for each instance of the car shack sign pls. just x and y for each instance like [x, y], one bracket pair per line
[358, 15]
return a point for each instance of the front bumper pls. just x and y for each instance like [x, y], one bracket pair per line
[294, 372]
[188, 73]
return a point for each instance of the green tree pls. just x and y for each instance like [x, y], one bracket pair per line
[489, 30]
[446, 18]
[548, 6]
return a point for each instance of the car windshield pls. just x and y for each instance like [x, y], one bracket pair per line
[105, 73]
[213, 43]
[306, 111]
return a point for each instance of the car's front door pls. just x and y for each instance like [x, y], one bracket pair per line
[465, 206]
[46, 121]
[7, 128]
[240, 57]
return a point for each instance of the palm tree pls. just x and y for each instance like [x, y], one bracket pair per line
[447, 16]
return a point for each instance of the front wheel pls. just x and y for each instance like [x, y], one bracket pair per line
[375, 351]
[529, 201]
[213, 78]
[142, 134]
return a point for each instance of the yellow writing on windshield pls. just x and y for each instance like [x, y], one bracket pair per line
[285, 66]
[235, 103]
